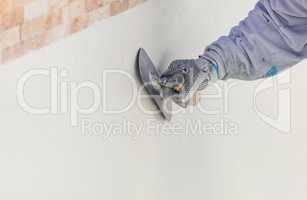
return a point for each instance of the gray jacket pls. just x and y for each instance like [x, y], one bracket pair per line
[271, 39]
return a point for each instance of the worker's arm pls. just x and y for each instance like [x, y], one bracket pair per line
[271, 39]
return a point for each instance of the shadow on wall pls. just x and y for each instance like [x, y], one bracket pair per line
[31, 24]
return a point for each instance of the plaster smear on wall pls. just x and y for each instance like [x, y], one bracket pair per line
[31, 24]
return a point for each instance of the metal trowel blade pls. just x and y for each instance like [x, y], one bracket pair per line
[149, 76]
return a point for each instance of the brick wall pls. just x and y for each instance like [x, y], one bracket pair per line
[30, 24]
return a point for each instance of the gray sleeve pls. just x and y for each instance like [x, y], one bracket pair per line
[271, 39]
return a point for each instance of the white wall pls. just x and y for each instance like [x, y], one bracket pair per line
[44, 157]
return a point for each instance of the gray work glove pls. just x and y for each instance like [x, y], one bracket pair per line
[186, 78]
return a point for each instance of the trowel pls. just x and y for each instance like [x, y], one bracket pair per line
[150, 78]
[163, 90]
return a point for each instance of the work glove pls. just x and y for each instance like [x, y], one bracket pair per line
[186, 78]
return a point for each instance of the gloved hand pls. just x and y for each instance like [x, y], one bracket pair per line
[186, 78]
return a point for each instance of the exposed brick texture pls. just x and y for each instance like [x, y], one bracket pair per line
[30, 24]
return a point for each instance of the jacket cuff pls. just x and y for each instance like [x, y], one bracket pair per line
[217, 64]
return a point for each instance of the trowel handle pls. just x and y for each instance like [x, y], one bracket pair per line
[176, 82]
